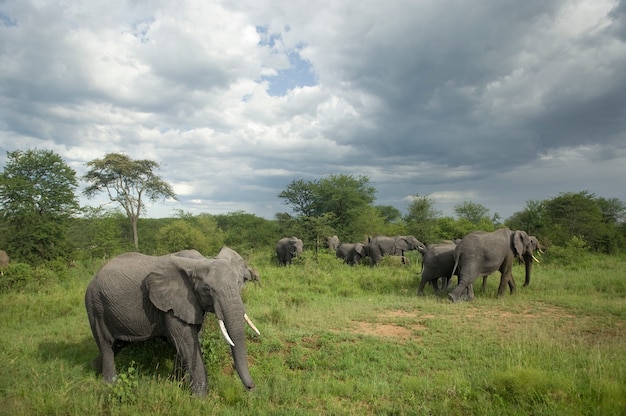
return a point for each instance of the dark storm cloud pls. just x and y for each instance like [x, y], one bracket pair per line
[498, 102]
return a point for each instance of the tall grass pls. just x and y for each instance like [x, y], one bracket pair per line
[345, 340]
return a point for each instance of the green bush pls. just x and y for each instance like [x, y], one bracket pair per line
[16, 277]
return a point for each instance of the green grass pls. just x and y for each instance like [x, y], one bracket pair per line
[345, 340]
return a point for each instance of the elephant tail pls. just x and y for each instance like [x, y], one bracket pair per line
[456, 264]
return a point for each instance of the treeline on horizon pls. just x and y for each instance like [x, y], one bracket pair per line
[41, 220]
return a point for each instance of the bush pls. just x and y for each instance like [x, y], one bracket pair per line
[16, 277]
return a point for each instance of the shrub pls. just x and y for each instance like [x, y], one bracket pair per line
[16, 277]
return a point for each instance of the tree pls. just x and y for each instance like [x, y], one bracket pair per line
[421, 219]
[473, 212]
[389, 213]
[98, 233]
[344, 196]
[37, 194]
[574, 215]
[301, 196]
[245, 231]
[127, 182]
[533, 219]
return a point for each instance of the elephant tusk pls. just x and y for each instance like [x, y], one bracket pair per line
[245, 316]
[535, 258]
[225, 333]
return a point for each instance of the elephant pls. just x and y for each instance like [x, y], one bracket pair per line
[287, 248]
[482, 253]
[351, 253]
[247, 273]
[381, 245]
[437, 262]
[332, 242]
[136, 297]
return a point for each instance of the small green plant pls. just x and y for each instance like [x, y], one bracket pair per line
[124, 389]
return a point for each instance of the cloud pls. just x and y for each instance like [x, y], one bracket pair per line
[496, 102]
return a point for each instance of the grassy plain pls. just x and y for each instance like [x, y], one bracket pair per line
[345, 340]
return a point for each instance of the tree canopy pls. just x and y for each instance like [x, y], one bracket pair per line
[127, 182]
[37, 194]
[341, 199]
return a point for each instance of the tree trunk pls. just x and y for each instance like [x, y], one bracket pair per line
[133, 222]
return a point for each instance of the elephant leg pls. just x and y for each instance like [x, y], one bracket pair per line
[512, 285]
[461, 290]
[185, 339]
[484, 284]
[425, 279]
[108, 365]
[105, 361]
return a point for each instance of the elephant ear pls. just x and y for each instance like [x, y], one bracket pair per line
[170, 289]
[399, 245]
[519, 242]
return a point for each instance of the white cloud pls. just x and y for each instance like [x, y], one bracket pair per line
[498, 103]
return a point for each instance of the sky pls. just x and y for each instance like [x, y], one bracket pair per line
[495, 102]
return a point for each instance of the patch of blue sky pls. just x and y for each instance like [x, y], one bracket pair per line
[299, 74]
[7, 21]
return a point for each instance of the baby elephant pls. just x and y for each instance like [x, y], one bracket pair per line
[437, 262]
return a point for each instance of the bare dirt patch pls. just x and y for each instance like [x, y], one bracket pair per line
[388, 327]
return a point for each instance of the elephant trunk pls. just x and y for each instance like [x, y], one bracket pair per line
[528, 261]
[233, 312]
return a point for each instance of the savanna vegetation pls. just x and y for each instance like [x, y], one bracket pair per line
[335, 339]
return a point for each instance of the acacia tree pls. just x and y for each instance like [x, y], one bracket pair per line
[37, 196]
[127, 182]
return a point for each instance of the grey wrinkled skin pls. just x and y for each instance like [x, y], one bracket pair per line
[247, 273]
[382, 245]
[437, 262]
[287, 248]
[351, 253]
[482, 253]
[135, 298]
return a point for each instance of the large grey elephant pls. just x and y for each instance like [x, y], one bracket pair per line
[382, 245]
[135, 297]
[351, 253]
[332, 242]
[287, 248]
[482, 253]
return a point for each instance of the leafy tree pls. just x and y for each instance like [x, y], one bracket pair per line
[37, 195]
[246, 231]
[421, 219]
[471, 211]
[388, 213]
[190, 232]
[533, 219]
[127, 182]
[180, 235]
[301, 196]
[98, 233]
[574, 215]
[450, 229]
[344, 196]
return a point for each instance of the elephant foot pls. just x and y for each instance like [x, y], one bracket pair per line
[453, 298]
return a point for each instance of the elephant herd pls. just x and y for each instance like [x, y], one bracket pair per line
[136, 297]
[478, 254]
